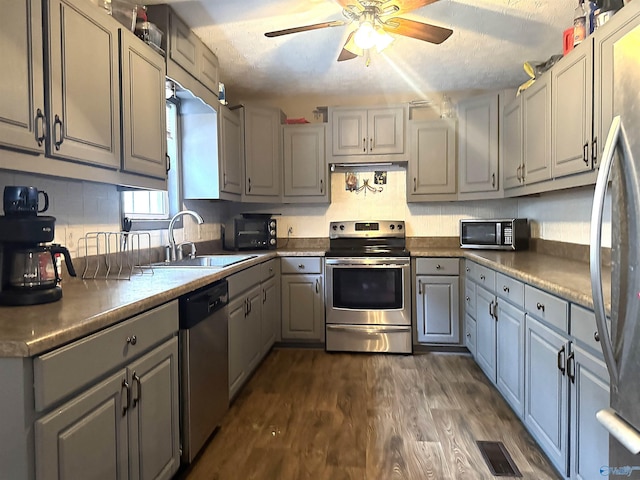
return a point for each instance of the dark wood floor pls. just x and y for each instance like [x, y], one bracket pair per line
[307, 414]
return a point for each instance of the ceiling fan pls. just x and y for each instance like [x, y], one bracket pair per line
[376, 21]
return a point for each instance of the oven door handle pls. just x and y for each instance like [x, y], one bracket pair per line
[370, 330]
[368, 263]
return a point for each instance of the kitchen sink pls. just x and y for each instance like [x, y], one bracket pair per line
[206, 261]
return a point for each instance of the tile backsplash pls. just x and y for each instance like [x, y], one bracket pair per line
[81, 207]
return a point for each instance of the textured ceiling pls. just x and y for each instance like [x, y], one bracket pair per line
[491, 41]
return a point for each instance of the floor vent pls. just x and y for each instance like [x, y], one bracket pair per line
[498, 459]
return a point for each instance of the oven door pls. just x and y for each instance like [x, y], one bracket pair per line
[368, 291]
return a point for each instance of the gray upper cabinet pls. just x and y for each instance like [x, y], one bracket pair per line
[368, 134]
[604, 41]
[83, 100]
[183, 45]
[513, 163]
[22, 122]
[536, 124]
[571, 108]
[230, 149]
[262, 154]
[144, 128]
[478, 144]
[432, 162]
[305, 164]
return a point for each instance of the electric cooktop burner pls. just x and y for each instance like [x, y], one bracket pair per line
[382, 238]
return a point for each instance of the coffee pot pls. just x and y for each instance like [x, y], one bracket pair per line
[35, 268]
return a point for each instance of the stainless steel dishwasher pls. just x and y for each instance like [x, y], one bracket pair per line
[204, 366]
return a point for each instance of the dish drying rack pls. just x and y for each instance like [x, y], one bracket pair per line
[116, 255]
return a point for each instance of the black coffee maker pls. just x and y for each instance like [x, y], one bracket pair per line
[28, 270]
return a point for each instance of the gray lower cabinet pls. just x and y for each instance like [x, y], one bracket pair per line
[546, 406]
[510, 354]
[432, 162]
[437, 309]
[589, 394]
[302, 283]
[123, 426]
[486, 332]
[22, 110]
[305, 164]
[144, 129]
[83, 104]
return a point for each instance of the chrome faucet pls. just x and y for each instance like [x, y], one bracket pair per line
[172, 252]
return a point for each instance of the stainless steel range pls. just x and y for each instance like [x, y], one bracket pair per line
[368, 292]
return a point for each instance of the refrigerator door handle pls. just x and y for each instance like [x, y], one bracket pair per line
[620, 430]
[616, 136]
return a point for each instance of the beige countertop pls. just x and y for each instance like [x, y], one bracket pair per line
[90, 305]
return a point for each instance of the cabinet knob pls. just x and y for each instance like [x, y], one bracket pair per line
[438, 267]
[540, 306]
[482, 277]
[468, 269]
[468, 335]
[505, 289]
[596, 336]
[132, 340]
[301, 266]
[467, 298]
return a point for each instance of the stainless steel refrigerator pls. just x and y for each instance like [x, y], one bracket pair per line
[621, 345]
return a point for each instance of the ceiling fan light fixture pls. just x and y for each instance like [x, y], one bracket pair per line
[383, 39]
[365, 36]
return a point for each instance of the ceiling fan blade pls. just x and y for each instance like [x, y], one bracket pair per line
[421, 31]
[406, 5]
[315, 26]
[350, 50]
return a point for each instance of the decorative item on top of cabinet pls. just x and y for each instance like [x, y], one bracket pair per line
[431, 172]
[437, 300]
[367, 134]
[305, 164]
[262, 148]
[478, 144]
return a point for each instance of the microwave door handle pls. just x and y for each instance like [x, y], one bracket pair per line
[499, 233]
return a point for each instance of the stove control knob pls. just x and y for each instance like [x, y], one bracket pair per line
[341, 227]
[392, 226]
[399, 226]
[335, 227]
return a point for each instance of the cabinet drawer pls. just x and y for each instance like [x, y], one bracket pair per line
[547, 307]
[61, 372]
[484, 276]
[242, 281]
[301, 265]
[583, 327]
[510, 289]
[269, 269]
[470, 298]
[469, 268]
[437, 266]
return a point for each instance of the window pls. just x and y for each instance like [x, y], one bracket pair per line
[156, 205]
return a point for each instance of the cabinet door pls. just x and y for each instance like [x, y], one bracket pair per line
[183, 45]
[486, 332]
[237, 367]
[208, 68]
[432, 163]
[305, 166]
[252, 329]
[546, 405]
[572, 90]
[302, 307]
[510, 355]
[87, 436]
[470, 335]
[22, 84]
[349, 129]
[512, 144]
[604, 41]
[262, 151]
[84, 101]
[478, 144]
[589, 394]
[154, 447]
[536, 125]
[270, 313]
[230, 150]
[437, 309]
[385, 127]
[144, 127]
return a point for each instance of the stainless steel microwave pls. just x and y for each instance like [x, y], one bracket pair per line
[250, 232]
[499, 234]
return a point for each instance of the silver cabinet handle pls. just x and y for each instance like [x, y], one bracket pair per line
[57, 122]
[321, 186]
[127, 389]
[585, 153]
[317, 285]
[136, 399]
[419, 287]
[415, 185]
[168, 158]
[224, 179]
[540, 306]
[40, 120]
[132, 340]
[249, 182]
[371, 144]
[264, 295]
[594, 152]
[491, 309]
[505, 289]
[561, 360]
[493, 180]
[571, 367]
[364, 145]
